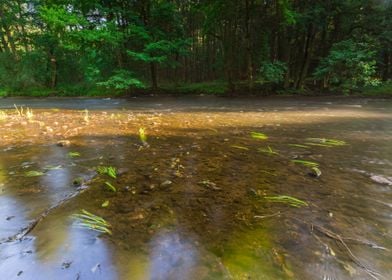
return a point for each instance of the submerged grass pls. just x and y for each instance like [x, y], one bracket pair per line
[268, 150]
[240, 147]
[290, 200]
[299, 146]
[110, 187]
[3, 115]
[88, 220]
[73, 154]
[258, 135]
[34, 173]
[306, 162]
[108, 170]
[327, 142]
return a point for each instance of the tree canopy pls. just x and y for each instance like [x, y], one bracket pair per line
[122, 45]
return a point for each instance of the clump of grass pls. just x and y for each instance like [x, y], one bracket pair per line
[268, 150]
[258, 135]
[21, 113]
[73, 154]
[88, 220]
[290, 200]
[34, 173]
[110, 187]
[108, 170]
[327, 142]
[306, 162]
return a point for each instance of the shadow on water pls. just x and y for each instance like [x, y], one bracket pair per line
[192, 205]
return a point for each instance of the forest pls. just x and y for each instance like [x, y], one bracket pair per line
[93, 47]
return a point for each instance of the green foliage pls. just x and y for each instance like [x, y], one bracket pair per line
[122, 80]
[306, 162]
[349, 65]
[273, 72]
[216, 87]
[110, 187]
[108, 170]
[88, 220]
[290, 200]
[258, 135]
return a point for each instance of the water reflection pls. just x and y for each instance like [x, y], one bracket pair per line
[172, 257]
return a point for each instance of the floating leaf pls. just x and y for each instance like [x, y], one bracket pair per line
[105, 204]
[299, 146]
[110, 187]
[292, 201]
[73, 154]
[316, 172]
[258, 135]
[240, 147]
[34, 173]
[306, 162]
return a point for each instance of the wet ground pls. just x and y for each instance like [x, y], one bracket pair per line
[193, 200]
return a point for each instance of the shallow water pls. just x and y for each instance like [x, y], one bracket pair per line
[192, 205]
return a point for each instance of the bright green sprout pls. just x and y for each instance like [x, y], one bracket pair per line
[110, 187]
[73, 154]
[108, 170]
[292, 201]
[53, 167]
[33, 173]
[306, 162]
[93, 222]
[143, 135]
[258, 135]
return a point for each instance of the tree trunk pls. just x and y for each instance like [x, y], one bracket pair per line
[154, 78]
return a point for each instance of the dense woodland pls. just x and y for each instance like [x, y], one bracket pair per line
[259, 45]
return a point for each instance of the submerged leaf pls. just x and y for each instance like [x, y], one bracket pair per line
[240, 147]
[306, 162]
[290, 200]
[110, 187]
[34, 173]
[258, 135]
[268, 150]
[299, 146]
[105, 204]
[73, 154]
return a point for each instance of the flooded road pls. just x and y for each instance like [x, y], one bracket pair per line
[217, 189]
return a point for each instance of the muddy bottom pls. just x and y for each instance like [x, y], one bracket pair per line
[200, 188]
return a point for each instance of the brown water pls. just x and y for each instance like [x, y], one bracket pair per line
[169, 224]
